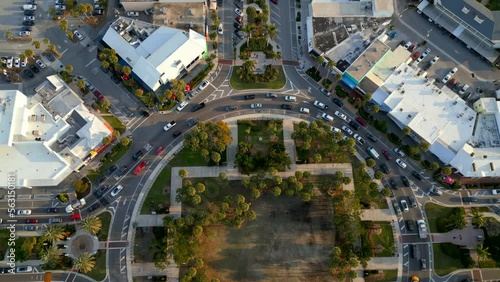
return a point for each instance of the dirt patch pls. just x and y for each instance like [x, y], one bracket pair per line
[289, 241]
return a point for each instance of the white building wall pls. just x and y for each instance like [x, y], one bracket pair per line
[442, 152]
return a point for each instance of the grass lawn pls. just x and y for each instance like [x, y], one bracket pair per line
[434, 212]
[160, 191]
[385, 240]
[493, 5]
[115, 123]
[106, 221]
[118, 152]
[216, 189]
[237, 84]
[362, 188]
[99, 271]
[446, 258]
[383, 276]
[260, 130]
[4, 239]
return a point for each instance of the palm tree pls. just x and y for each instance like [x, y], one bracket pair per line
[53, 233]
[52, 47]
[82, 8]
[36, 44]
[329, 67]
[69, 68]
[92, 224]
[29, 53]
[482, 252]
[249, 66]
[46, 41]
[84, 263]
[319, 60]
[63, 25]
[90, 9]
[247, 29]
[8, 34]
[477, 218]
[80, 84]
[405, 132]
[374, 109]
[271, 32]
[51, 256]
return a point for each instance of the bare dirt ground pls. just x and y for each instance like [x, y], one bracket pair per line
[289, 241]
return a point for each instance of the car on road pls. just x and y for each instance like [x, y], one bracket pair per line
[78, 34]
[116, 190]
[238, 12]
[21, 269]
[387, 155]
[337, 102]
[393, 184]
[399, 152]
[416, 175]
[469, 199]
[413, 202]
[271, 95]
[220, 31]
[320, 105]
[405, 180]
[28, 73]
[256, 105]
[434, 60]
[159, 150]
[204, 84]
[435, 191]
[132, 14]
[94, 207]
[341, 115]
[31, 228]
[32, 220]
[231, 108]
[249, 97]
[385, 168]
[358, 138]
[198, 107]
[361, 121]
[290, 98]
[101, 191]
[371, 137]
[404, 206]
[23, 212]
[40, 64]
[52, 210]
[304, 110]
[75, 217]
[169, 125]
[286, 107]
[347, 129]
[111, 170]
[401, 163]
[140, 167]
[325, 92]
[192, 122]
[182, 105]
[177, 133]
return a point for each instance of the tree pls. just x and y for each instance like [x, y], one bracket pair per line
[126, 70]
[8, 34]
[69, 68]
[53, 233]
[106, 140]
[271, 32]
[116, 133]
[105, 105]
[80, 84]
[378, 175]
[81, 186]
[200, 188]
[90, 9]
[63, 25]
[183, 173]
[405, 132]
[215, 156]
[276, 191]
[374, 109]
[50, 256]
[386, 192]
[180, 96]
[139, 92]
[482, 252]
[82, 9]
[317, 158]
[84, 263]
[52, 47]
[22, 57]
[249, 66]
[329, 66]
[125, 141]
[222, 176]
[36, 43]
[29, 53]
[209, 136]
[477, 218]
[247, 29]
[423, 146]
[251, 215]
[371, 163]
[320, 60]
[105, 64]
[46, 41]
[92, 225]
[177, 86]
[446, 170]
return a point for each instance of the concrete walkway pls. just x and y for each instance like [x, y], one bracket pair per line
[149, 269]
[149, 220]
[462, 237]
[378, 215]
[289, 142]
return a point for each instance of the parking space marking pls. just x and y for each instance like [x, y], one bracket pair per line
[90, 62]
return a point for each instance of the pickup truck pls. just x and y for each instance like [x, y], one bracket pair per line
[169, 125]
[79, 203]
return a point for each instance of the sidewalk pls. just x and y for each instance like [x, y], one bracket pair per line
[149, 269]
[378, 215]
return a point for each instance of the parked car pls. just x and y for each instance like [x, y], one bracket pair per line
[55, 220]
[404, 206]
[286, 107]
[101, 191]
[410, 224]
[29, 18]
[387, 155]
[17, 62]
[412, 47]
[341, 115]
[354, 124]
[337, 102]
[271, 95]
[327, 117]
[32, 220]
[239, 20]
[385, 168]
[371, 137]
[52, 210]
[132, 14]
[120, 172]
[28, 23]
[40, 64]
[393, 184]
[28, 73]
[435, 191]
[159, 150]
[23, 212]
[325, 92]
[434, 60]
[24, 33]
[304, 110]
[347, 129]
[220, 31]
[361, 121]
[415, 55]
[50, 56]
[401, 163]
[198, 107]
[78, 34]
[24, 269]
[34, 69]
[495, 191]
[192, 122]
[111, 170]
[405, 180]
[94, 207]
[399, 152]
[238, 12]
[75, 217]
[30, 228]
[177, 133]
[413, 202]
[358, 138]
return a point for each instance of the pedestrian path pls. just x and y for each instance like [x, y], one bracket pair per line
[378, 215]
[149, 269]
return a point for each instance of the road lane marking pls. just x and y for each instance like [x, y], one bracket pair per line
[90, 62]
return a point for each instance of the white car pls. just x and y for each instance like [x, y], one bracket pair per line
[9, 62]
[290, 98]
[24, 62]
[453, 71]
[420, 58]
[29, 18]
[40, 64]
[23, 212]
[256, 105]
[219, 29]
[495, 192]
[320, 105]
[399, 152]
[132, 14]
[434, 60]
[60, 7]
[404, 205]
[78, 35]
[401, 163]
[327, 117]
[359, 139]
[446, 78]
[116, 190]
[304, 110]
[238, 12]
[24, 269]
[182, 105]
[407, 45]
[335, 130]
[204, 84]
[347, 129]
[341, 115]
[426, 52]
[169, 125]
[17, 62]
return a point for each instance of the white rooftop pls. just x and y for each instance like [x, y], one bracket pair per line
[155, 54]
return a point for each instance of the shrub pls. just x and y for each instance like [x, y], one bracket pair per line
[63, 197]
[394, 139]
[326, 83]
[487, 264]
[199, 78]
[340, 92]
[314, 74]
[257, 44]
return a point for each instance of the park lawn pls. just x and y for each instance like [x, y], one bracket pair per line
[217, 189]
[98, 273]
[260, 130]
[493, 5]
[115, 123]
[106, 221]
[443, 263]
[156, 194]
[385, 239]
[362, 188]
[237, 84]
[434, 212]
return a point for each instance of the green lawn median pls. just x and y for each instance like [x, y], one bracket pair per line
[237, 84]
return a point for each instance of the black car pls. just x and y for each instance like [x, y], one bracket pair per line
[286, 107]
[416, 175]
[28, 23]
[26, 28]
[413, 202]
[231, 108]
[101, 191]
[410, 224]
[337, 102]
[29, 13]
[393, 184]
[28, 73]
[371, 137]
[116, 79]
[120, 172]
[354, 124]
[52, 210]
[192, 122]
[249, 97]
[405, 180]
[137, 155]
[50, 56]
[104, 70]
[101, 179]
[219, 2]
[385, 168]
[198, 107]
[145, 113]
[94, 207]
[237, 26]
[111, 170]
[177, 133]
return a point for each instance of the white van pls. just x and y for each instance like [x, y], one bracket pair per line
[182, 105]
[464, 88]
[372, 153]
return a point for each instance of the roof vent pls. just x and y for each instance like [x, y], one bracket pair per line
[465, 10]
[33, 117]
[492, 167]
[42, 117]
[473, 166]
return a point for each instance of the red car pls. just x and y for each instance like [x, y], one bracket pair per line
[139, 168]
[275, 2]
[239, 20]
[386, 155]
[361, 121]
[32, 220]
[75, 217]
[415, 56]
[99, 96]
[159, 150]
[412, 47]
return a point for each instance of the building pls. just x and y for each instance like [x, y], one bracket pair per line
[156, 54]
[47, 137]
[469, 21]
[347, 8]
[144, 5]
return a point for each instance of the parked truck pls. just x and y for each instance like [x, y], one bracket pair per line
[78, 204]
[422, 229]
